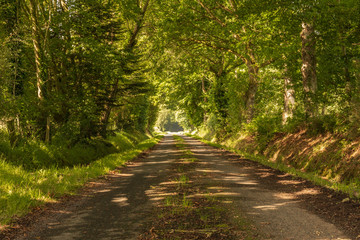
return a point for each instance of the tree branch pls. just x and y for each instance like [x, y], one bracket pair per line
[211, 14]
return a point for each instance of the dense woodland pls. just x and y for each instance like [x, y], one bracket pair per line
[76, 70]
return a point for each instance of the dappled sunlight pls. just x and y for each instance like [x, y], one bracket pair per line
[228, 194]
[275, 156]
[240, 180]
[208, 170]
[168, 183]
[103, 191]
[356, 149]
[218, 188]
[157, 194]
[125, 174]
[289, 182]
[121, 201]
[285, 196]
[273, 207]
[308, 191]
[264, 174]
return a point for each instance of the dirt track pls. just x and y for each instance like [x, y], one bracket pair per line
[279, 206]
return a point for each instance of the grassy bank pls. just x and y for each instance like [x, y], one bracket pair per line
[325, 160]
[22, 189]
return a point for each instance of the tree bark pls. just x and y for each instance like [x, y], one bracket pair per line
[348, 80]
[204, 91]
[35, 31]
[250, 94]
[289, 96]
[10, 125]
[308, 69]
[39, 58]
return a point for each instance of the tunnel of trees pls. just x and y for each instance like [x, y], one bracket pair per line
[72, 70]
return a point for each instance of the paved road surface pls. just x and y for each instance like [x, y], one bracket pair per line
[121, 207]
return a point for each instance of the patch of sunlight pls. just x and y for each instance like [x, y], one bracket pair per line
[272, 206]
[313, 141]
[103, 191]
[227, 194]
[122, 201]
[308, 192]
[125, 174]
[150, 176]
[275, 156]
[288, 182]
[285, 196]
[321, 147]
[218, 188]
[208, 171]
[304, 150]
[154, 163]
[356, 153]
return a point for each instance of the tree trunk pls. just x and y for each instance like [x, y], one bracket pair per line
[289, 96]
[308, 68]
[35, 30]
[10, 125]
[251, 91]
[37, 36]
[104, 121]
[204, 91]
[348, 86]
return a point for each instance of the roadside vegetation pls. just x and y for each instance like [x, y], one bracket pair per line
[22, 189]
[351, 186]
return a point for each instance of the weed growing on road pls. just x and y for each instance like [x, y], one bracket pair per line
[183, 181]
[187, 214]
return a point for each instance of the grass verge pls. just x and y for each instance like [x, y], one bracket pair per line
[21, 190]
[352, 188]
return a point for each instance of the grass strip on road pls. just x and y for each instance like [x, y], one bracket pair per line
[189, 210]
[21, 190]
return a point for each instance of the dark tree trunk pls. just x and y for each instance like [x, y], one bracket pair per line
[10, 125]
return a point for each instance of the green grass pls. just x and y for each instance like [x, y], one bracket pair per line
[21, 190]
[352, 188]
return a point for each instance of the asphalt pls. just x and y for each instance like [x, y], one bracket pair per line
[119, 209]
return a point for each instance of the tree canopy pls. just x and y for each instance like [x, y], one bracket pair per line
[76, 69]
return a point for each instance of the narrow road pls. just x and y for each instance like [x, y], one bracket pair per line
[272, 204]
[118, 209]
[122, 208]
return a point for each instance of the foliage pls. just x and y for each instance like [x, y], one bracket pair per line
[230, 65]
[74, 71]
[33, 154]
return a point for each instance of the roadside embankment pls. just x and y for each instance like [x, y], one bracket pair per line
[329, 160]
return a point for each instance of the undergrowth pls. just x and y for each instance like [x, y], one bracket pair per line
[35, 154]
[21, 189]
